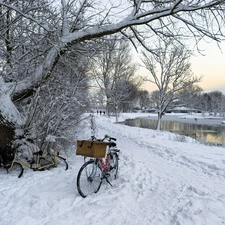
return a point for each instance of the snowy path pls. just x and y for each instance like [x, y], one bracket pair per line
[173, 187]
[161, 182]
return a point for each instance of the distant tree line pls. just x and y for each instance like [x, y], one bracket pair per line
[211, 103]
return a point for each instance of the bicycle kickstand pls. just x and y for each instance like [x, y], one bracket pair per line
[106, 178]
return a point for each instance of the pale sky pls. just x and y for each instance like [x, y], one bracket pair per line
[211, 65]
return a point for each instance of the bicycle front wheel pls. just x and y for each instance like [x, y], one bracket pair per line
[89, 178]
[62, 162]
[15, 169]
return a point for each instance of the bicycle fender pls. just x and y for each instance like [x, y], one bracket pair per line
[61, 157]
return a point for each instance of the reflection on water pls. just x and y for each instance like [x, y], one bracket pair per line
[209, 134]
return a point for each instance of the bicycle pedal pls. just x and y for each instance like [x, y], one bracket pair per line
[107, 175]
[36, 169]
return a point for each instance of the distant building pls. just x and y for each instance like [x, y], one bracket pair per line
[182, 109]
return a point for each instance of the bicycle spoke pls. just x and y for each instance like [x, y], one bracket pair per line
[89, 179]
[62, 162]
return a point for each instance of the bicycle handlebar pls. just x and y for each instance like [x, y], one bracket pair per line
[106, 137]
[110, 138]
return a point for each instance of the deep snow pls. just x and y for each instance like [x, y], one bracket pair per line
[163, 180]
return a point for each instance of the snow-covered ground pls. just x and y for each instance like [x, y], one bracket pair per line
[163, 180]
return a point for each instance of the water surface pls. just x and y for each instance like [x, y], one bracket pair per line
[214, 133]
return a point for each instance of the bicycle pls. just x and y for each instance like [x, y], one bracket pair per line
[39, 162]
[96, 169]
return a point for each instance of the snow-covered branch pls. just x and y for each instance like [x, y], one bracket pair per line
[25, 14]
[65, 25]
[84, 21]
[170, 71]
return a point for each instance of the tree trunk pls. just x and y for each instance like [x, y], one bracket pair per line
[108, 106]
[159, 121]
[117, 116]
[7, 131]
[25, 88]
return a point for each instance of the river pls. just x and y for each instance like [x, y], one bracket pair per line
[208, 130]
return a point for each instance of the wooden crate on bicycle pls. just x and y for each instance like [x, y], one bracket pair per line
[94, 149]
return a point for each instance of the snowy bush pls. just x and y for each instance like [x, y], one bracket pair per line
[56, 108]
[180, 138]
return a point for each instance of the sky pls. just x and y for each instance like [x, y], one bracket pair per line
[162, 180]
[210, 64]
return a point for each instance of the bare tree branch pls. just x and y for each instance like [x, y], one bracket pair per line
[87, 20]
[170, 71]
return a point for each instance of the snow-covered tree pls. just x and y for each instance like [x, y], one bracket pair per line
[143, 98]
[217, 102]
[190, 96]
[170, 71]
[155, 98]
[205, 103]
[80, 21]
[35, 34]
[114, 72]
[57, 105]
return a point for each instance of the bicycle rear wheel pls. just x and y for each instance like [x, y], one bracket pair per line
[14, 169]
[114, 165]
[89, 178]
[62, 162]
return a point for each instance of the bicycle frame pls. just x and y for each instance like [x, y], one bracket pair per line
[32, 158]
[99, 163]
[36, 165]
